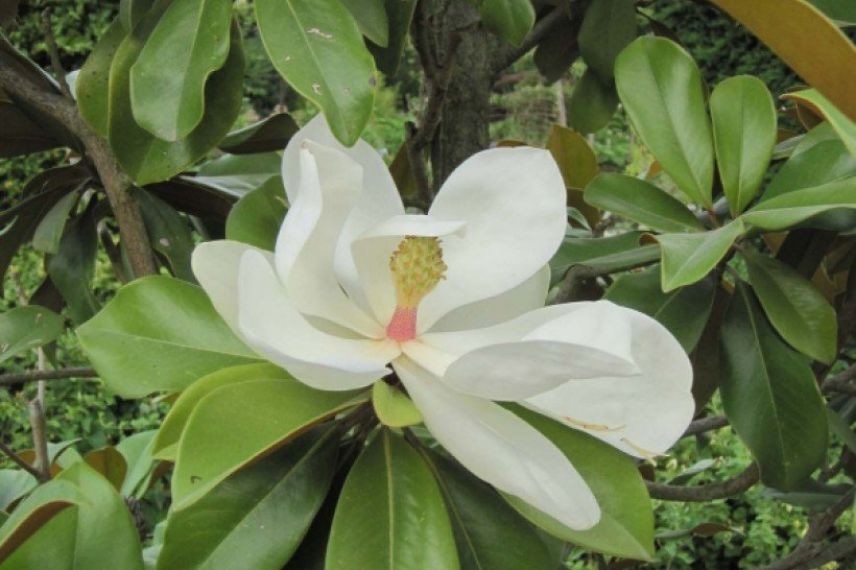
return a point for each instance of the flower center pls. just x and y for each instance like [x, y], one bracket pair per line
[417, 267]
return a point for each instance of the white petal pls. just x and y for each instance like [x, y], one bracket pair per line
[642, 415]
[513, 202]
[501, 448]
[373, 249]
[378, 198]
[592, 341]
[527, 296]
[215, 265]
[273, 327]
[329, 191]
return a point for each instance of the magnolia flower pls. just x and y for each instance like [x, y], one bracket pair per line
[453, 302]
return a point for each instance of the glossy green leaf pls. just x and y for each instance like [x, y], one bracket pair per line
[684, 311]
[661, 89]
[792, 208]
[166, 442]
[189, 43]
[169, 234]
[371, 18]
[771, 397]
[510, 19]
[317, 47]
[258, 516]
[97, 532]
[744, 134]
[145, 158]
[489, 533]
[608, 27]
[615, 253]
[27, 328]
[238, 174]
[72, 269]
[641, 202]
[688, 258]
[819, 158]
[92, 86]
[797, 310]
[593, 103]
[14, 484]
[137, 451]
[237, 424]
[626, 527]
[391, 513]
[843, 125]
[841, 11]
[257, 217]
[399, 14]
[48, 234]
[268, 135]
[392, 406]
[159, 334]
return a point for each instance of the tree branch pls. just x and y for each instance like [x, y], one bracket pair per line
[34, 375]
[843, 382]
[8, 452]
[703, 493]
[812, 551]
[53, 51]
[702, 425]
[116, 183]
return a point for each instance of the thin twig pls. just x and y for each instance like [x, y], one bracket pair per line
[53, 52]
[709, 492]
[843, 382]
[702, 425]
[34, 375]
[812, 551]
[38, 426]
[7, 451]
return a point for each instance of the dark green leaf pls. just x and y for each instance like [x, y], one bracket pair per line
[688, 258]
[626, 527]
[195, 197]
[144, 157]
[238, 424]
[510, 19]
[399, 13]
[317, 47]
[73, 267]
[257, 217]
[20, 134]
[257, 517]
[371, 18]
[771, 397]
[489, 533]
[268, 135]
[661, 89]
[48, 234]
[744, 133]
[593, 103]
[607, 255]
[684, 311]
[798, 311]
[641, 202]
[169, 234]
[189, 43]
[559, 49]
[25, 328]
[842, 11]
[819, 158]
[391, 513]
[159, 334]
[609, 26]
[92, 86]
